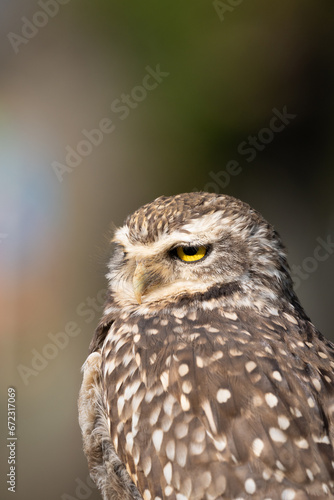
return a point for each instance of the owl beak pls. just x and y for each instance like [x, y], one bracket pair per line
[140, 281]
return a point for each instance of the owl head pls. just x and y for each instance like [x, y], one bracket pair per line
[195, 246]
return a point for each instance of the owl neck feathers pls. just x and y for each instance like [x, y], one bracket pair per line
[255, 294]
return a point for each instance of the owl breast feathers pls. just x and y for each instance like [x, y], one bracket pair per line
[206, 379]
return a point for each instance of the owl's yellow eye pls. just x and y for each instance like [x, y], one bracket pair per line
[191, 254]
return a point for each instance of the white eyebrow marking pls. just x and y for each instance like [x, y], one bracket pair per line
[199, 231]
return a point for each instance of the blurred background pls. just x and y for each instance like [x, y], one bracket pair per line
[106, 105]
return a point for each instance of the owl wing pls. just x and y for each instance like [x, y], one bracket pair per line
[220, 403]
[105, 466]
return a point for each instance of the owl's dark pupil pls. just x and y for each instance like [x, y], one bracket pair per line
[190, 250]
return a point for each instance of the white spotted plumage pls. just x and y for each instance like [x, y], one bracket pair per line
[206, 380]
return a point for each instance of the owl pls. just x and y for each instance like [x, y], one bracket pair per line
[206, 379]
